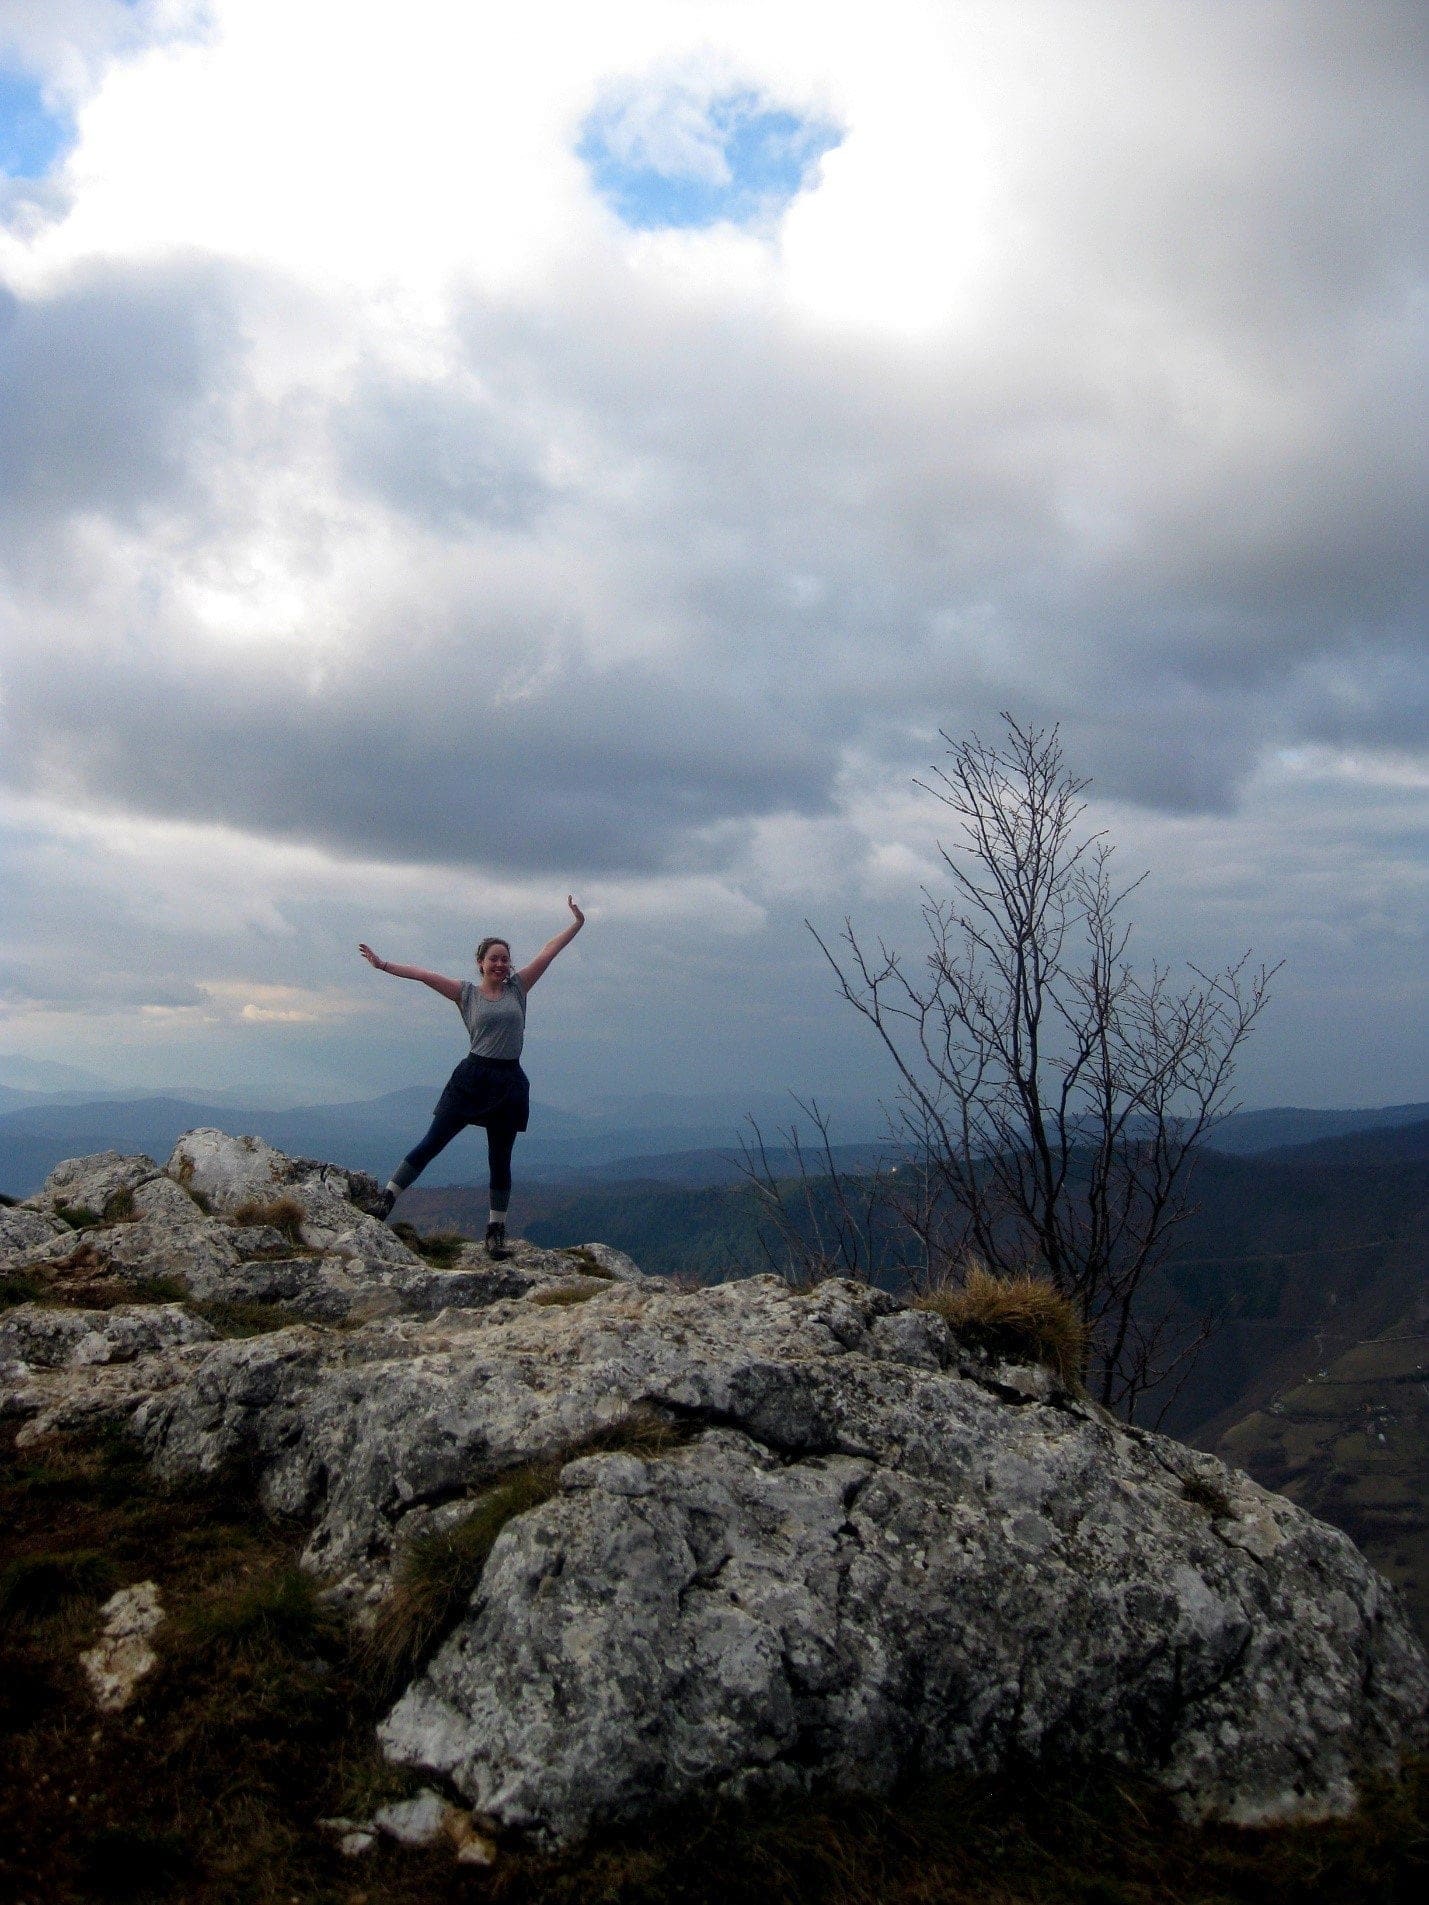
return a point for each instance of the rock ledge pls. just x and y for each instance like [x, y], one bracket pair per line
[866, 1555]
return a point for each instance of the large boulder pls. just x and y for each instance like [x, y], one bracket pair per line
[856, 1552]
[873, 1559]
[228, 1172]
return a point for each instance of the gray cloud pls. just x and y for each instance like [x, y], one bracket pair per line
[1163, 480]
[602, 771]
[439, 455]
[110, 389]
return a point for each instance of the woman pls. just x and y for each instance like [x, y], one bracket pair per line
[488, 1087]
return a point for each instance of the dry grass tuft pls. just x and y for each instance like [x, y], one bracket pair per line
[438, 1573]
[442, 1249]
[1209, 1494]
[249, 1617]
[21, 1286]
[248, 1316]
[38, 1584]
[588, 1265]
[1015, 1319]
[78, 1216]
[284, 1214]
[562, 1295]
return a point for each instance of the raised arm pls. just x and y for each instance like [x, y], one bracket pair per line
[528, 975]
[449, 988]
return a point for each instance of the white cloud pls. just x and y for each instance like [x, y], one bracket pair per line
[386, 519]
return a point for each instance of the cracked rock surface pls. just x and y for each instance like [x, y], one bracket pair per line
[869, 1554]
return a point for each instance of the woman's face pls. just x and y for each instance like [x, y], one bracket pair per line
[497, 963]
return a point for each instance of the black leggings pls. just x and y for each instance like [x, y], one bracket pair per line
[500, 1142]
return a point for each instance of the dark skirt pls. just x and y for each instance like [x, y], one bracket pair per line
[488, 1091]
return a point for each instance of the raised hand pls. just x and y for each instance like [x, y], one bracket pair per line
[370, 956]
[580, 916]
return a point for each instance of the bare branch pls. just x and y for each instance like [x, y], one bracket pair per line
[1053, 1098]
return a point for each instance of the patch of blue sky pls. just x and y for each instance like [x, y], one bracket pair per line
[31, 136]
[676, 160]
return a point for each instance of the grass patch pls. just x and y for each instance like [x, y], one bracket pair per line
[259, 1720]
[78, 1216]
[438, 1573]
[1210, 1495]
[247, 1618]
[120, 1208]
[246, 1316]
[34, 1585]
[590, 1265]
[57, 1292]
[208, 1787]
[21, 1286]
[1015, 1319]
[562, 1296]
[283, 1214]
[1026, 1838]
[442, 1248]
[161, 1289]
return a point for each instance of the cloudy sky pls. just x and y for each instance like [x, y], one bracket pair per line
[454, 454]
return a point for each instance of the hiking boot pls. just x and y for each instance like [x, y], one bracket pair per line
[496, 1241]
[382, 1209]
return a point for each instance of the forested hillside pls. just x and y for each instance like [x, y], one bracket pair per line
[1351, 1444]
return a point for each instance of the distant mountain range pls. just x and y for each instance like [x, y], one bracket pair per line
[652, 1137]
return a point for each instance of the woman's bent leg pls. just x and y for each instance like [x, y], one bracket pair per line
[444, 1128]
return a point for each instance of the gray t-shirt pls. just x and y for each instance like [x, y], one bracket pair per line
[497, 1026]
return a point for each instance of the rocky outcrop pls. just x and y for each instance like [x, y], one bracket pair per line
[861, 1553]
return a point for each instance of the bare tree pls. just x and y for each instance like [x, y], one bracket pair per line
[1052, 1097]
[819, 1219]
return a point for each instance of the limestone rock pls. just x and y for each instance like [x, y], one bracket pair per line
[77, 1339]
[424, 1820]
[92, 1183]
[609, 1262]
[22, 1229]
[863, 1552]
[156, 1247]
[881, 1571]
[229, 1172]
[162, 1199]
[88, 1396]
[875, 1559]
[419, 1821]
[122, 1657]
